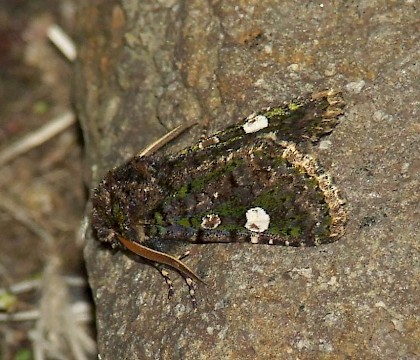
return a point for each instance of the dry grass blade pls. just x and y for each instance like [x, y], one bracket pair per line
[37, 137]
[21, 215]
[58, 332]
[62, 41]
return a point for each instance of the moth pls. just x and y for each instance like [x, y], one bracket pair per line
[251, 182]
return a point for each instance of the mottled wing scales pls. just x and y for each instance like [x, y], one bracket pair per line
[303, 205]
[250, 182]
[300, 120]
[207, 201]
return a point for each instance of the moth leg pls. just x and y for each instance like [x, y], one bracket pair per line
[168, 280]
[188, 280]
[184, 255]
[159, 259]
[191, 289]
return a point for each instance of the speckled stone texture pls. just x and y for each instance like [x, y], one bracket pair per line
[147, 66]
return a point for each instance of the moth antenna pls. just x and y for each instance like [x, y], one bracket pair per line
[159, 257]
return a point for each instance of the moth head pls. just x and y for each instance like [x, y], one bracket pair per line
[104, 206]
[118, 202]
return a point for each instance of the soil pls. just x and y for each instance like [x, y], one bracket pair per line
[42, 191]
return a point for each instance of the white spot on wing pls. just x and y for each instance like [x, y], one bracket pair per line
[254, 124]
[257, 220]
[210, 221]
[208, 142]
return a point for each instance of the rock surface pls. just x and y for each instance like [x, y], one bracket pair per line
[148, 66]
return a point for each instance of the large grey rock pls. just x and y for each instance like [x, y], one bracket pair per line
[147, 66]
